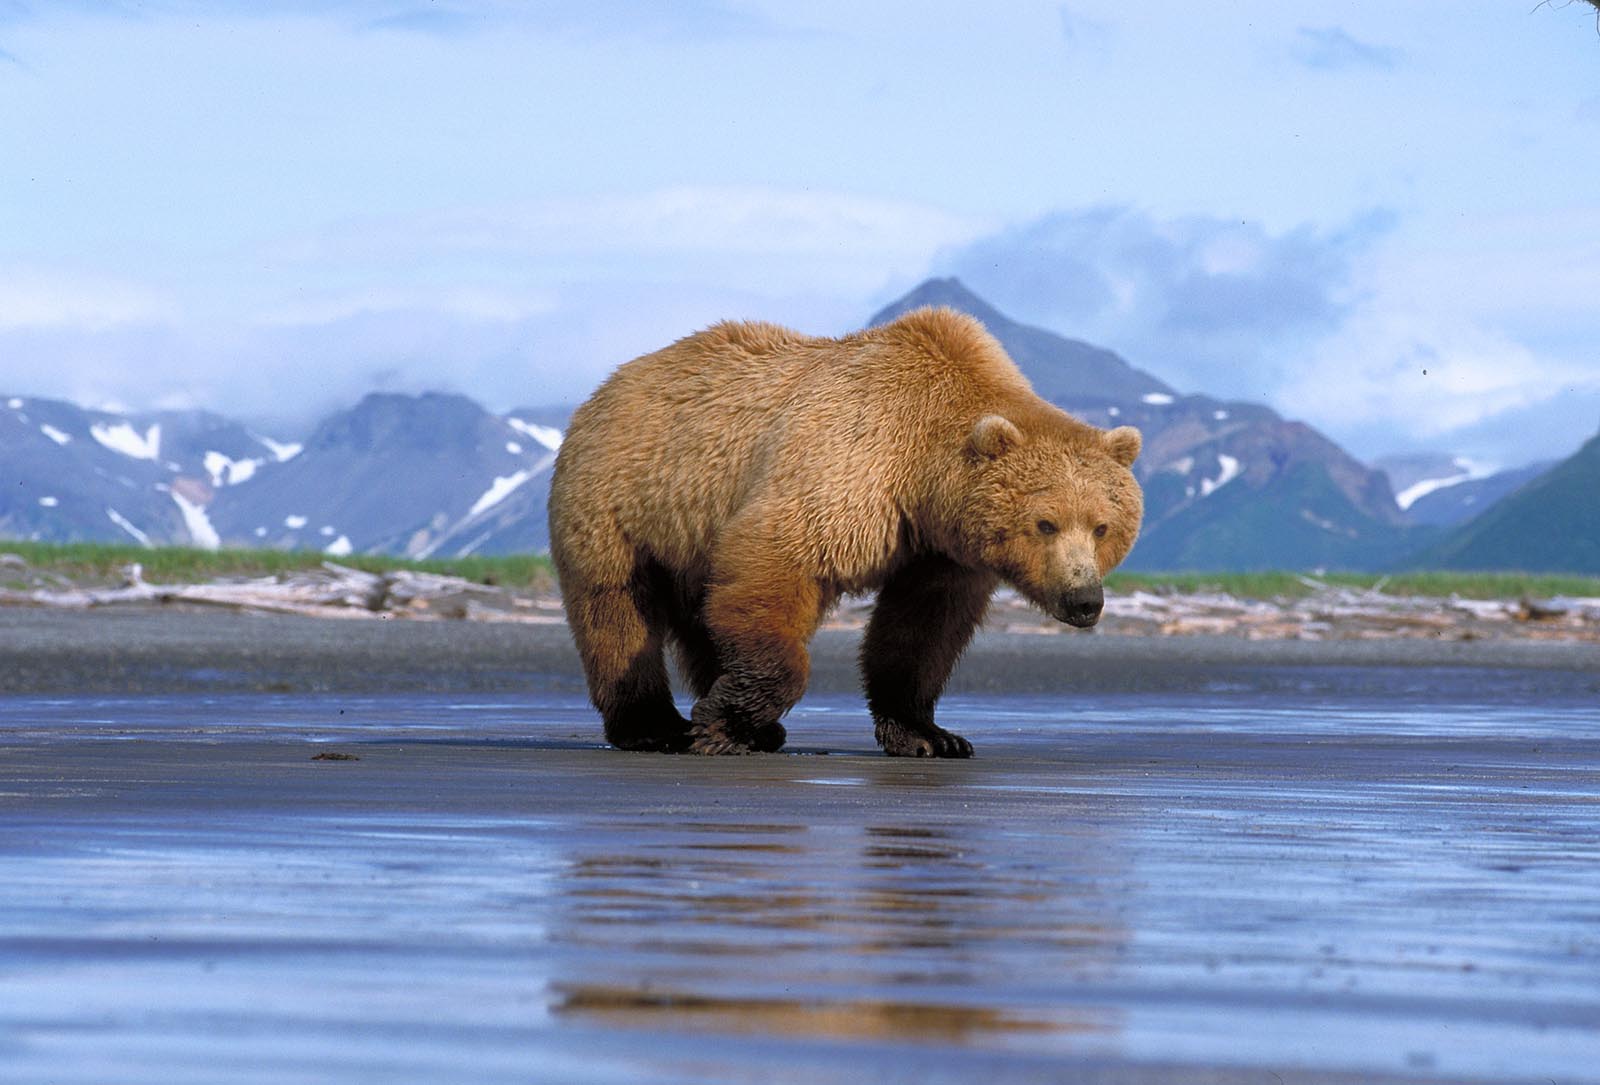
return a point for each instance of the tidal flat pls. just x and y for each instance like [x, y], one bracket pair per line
[260, 849]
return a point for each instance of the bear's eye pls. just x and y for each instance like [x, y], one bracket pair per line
[1100, 530]
[1047, 527]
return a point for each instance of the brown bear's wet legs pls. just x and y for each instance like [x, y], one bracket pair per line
[924, 617]
[760, 632]
[620, 641]
[740, 712]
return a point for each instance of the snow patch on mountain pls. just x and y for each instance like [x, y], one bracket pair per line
[1230, 470]
[54, 434]
[1157, 399]
[227, 471]
[281, 450]
[122, 438]
[1466, 471]
[122, 522]
[498, 492]
[548, 436]
[201, 533]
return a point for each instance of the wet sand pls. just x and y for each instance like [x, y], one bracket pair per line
[1172, 861]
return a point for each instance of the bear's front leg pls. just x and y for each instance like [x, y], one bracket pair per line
[760, 631]
[925, 616]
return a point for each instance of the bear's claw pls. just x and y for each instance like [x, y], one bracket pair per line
[928, 740]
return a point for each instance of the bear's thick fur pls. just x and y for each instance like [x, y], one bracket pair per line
[723, 493]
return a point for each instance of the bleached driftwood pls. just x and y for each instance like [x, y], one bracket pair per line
[331, 591]
[1328, 613]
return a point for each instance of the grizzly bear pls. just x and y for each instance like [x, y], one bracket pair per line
[722, 494]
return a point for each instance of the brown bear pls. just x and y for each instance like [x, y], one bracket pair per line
[723, 493]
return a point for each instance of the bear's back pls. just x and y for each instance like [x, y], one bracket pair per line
[674, 443]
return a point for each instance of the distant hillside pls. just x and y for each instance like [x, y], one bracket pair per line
[1440, 490]
[419, 476]
[70, 474]
[1551, 524]
[1455, 505]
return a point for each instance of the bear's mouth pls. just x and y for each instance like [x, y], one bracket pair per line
[1079, 621]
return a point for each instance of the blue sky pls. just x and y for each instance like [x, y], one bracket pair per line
[1376, 217]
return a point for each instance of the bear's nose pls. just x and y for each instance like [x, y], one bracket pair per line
[1081, 606]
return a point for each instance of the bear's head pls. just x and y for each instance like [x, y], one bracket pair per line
[1051, 506]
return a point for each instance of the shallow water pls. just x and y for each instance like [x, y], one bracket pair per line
[1380, 875]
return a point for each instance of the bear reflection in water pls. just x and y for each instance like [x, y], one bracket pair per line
[808, 932]
[721, 495]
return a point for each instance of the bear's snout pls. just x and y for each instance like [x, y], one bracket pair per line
[1081, 606]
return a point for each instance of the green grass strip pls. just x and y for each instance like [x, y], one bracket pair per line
[174, 565]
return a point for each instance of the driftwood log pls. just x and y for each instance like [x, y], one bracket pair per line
[329, 591]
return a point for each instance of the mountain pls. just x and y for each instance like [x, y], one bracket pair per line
[422, 476]
[1549, 525]
[1228, 485]
[1459, 503]
[72, 474]
[1438, 490]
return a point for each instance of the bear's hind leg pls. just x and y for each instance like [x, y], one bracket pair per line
[924, 618]
[760, 629]
[692, 646]
[619, 632]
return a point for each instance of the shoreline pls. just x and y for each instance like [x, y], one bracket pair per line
[161, 649]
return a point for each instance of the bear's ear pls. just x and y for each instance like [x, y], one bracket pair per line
[993, 436]
[1124, 443]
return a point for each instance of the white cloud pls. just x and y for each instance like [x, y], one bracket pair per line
[1209, 303]
[1419, 375]
[775, 240]
[33, 297]
[1388, 333]
[1499, 312]
[487, 304]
